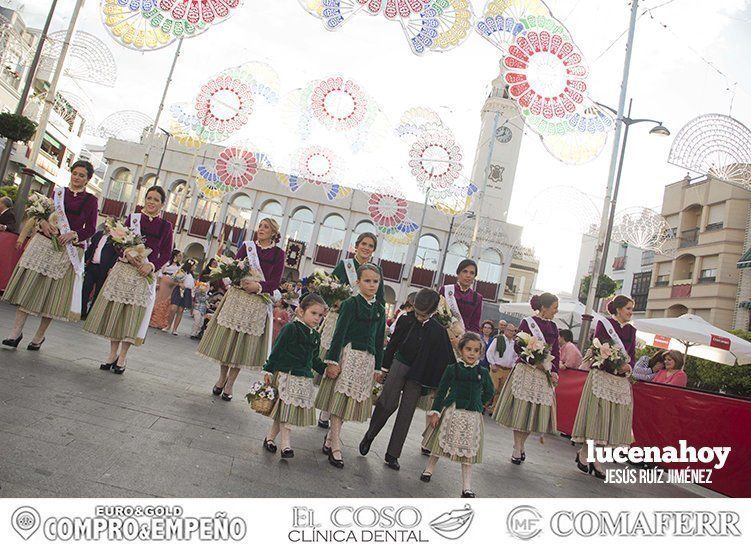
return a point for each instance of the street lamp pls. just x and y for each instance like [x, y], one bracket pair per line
[658, 130]
[161, 159]
[467, 215]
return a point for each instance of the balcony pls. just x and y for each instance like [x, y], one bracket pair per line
[714, 226]
[327, 256]
[422, 277]
[113, 208]
[199, 227]
[680, 291]
[689, 238]
[391, 270]
[647, 258]
[619, 263]
[489, 291]
[662, 283]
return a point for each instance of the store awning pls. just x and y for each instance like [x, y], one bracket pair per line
[745, 261]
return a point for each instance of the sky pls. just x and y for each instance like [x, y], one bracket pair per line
[690, 58]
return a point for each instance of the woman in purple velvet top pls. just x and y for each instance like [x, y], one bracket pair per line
[462, 299]
[122, 312]
[606, 404]
[527, 401]
[239, 334]
[47, 282]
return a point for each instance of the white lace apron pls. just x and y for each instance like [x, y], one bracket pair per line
[76, 259]
[296, 390]
[125, 285]
[610, 387]
[243, 312]
[461, 432]
[254, 262]
[450, 291]
[41, 257]
[531, 385]
[327, 328]
[356, 378]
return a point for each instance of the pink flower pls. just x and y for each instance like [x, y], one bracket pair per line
[605, 351]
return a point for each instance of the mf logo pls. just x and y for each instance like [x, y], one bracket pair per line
[524, 522]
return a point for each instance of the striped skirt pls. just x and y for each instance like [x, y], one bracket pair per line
[233, 348]
[522, 414]
[115, 321]
[294, 415]
[431, 440]
[606, 422]
[40, 295]
[426, 400]
[343, 405]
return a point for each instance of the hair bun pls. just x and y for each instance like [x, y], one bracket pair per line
[534, 302]
[611, 308]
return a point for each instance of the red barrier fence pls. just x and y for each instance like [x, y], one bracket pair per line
[9, 256]
[664, 414]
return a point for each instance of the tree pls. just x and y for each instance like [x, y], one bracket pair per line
[606, 287]
[16, 128]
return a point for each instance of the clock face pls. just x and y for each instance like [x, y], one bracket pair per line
[503, 134]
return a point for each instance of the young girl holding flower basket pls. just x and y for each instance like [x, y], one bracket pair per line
[122, 311]
[239, 333]
[606, 404]
[289, 369]
[345, 274]
[354, 360]
[527, 401]
[48, 279]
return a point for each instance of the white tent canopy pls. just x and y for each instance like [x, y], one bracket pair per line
[569, 314]
[691, 335]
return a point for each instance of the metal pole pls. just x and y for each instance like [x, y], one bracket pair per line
[445, 253]
[5, 158]
[614, 200]
[150, 138]
[605, 225]
[161, 159]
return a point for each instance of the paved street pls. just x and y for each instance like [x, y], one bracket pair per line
[70, 429]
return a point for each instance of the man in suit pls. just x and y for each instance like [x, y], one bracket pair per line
[100, 257]
[7, 216]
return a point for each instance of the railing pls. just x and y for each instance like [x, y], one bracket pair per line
[619, 263]
[391, 270]
[662, 283]
[689, 238]
[681, 291]
[422, 277]
[714, 226]
[327, 256]
[708, 279]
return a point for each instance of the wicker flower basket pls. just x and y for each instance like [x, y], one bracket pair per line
[262, 406]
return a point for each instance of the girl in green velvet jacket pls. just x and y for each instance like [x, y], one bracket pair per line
[456, 427]
[294, 356]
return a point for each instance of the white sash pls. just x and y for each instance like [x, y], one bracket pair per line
[75, 259]
[351, 271]
[450, 291]
[535, 329]
[614, 335]
[254, 262]
[135, 225]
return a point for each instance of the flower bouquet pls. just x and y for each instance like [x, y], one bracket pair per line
[40, 209]
[609, 358]
[376, 392]
[126, 240]
[443, 314]
[235, 271]
[329, 287]
[536, 353]
[261, 398]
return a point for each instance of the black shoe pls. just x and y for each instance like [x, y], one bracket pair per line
[326, 449]
[595, 472]
[13, 342]
[288, 453]
[323, 424]
[425, 476]
[581, 466]
[425, 451]
[338, 463]
[33, 346]
[392, 462]
[365, 444]
[226, 397]
[108, 366]
[269, 445]
[216, 391]
[118, 369]
[516, 460]
[523, 457]
[468, 494]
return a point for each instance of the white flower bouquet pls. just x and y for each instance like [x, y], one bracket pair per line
[124, 239]
[536, 353]
[329, 287]
[261, 397]
[609, 358]
[236, 271]
[40, 208]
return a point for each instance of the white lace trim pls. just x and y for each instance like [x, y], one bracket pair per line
[296, 390]
[609, 387]
[328, 327]
[40, 256]
[356, 378]
[531, 385]
[125, 285]
[461, 432]
[243, 312]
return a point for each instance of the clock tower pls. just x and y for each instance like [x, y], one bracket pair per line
[497, 152]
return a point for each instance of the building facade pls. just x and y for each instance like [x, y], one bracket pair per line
[710, 221]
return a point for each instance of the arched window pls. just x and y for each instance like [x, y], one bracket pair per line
[332, 232]
[177, 196]
[301, 225]
[490, 266]
[362, 226]
[121, 187]
[457, 252]
[428, 253]
[270, 208]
